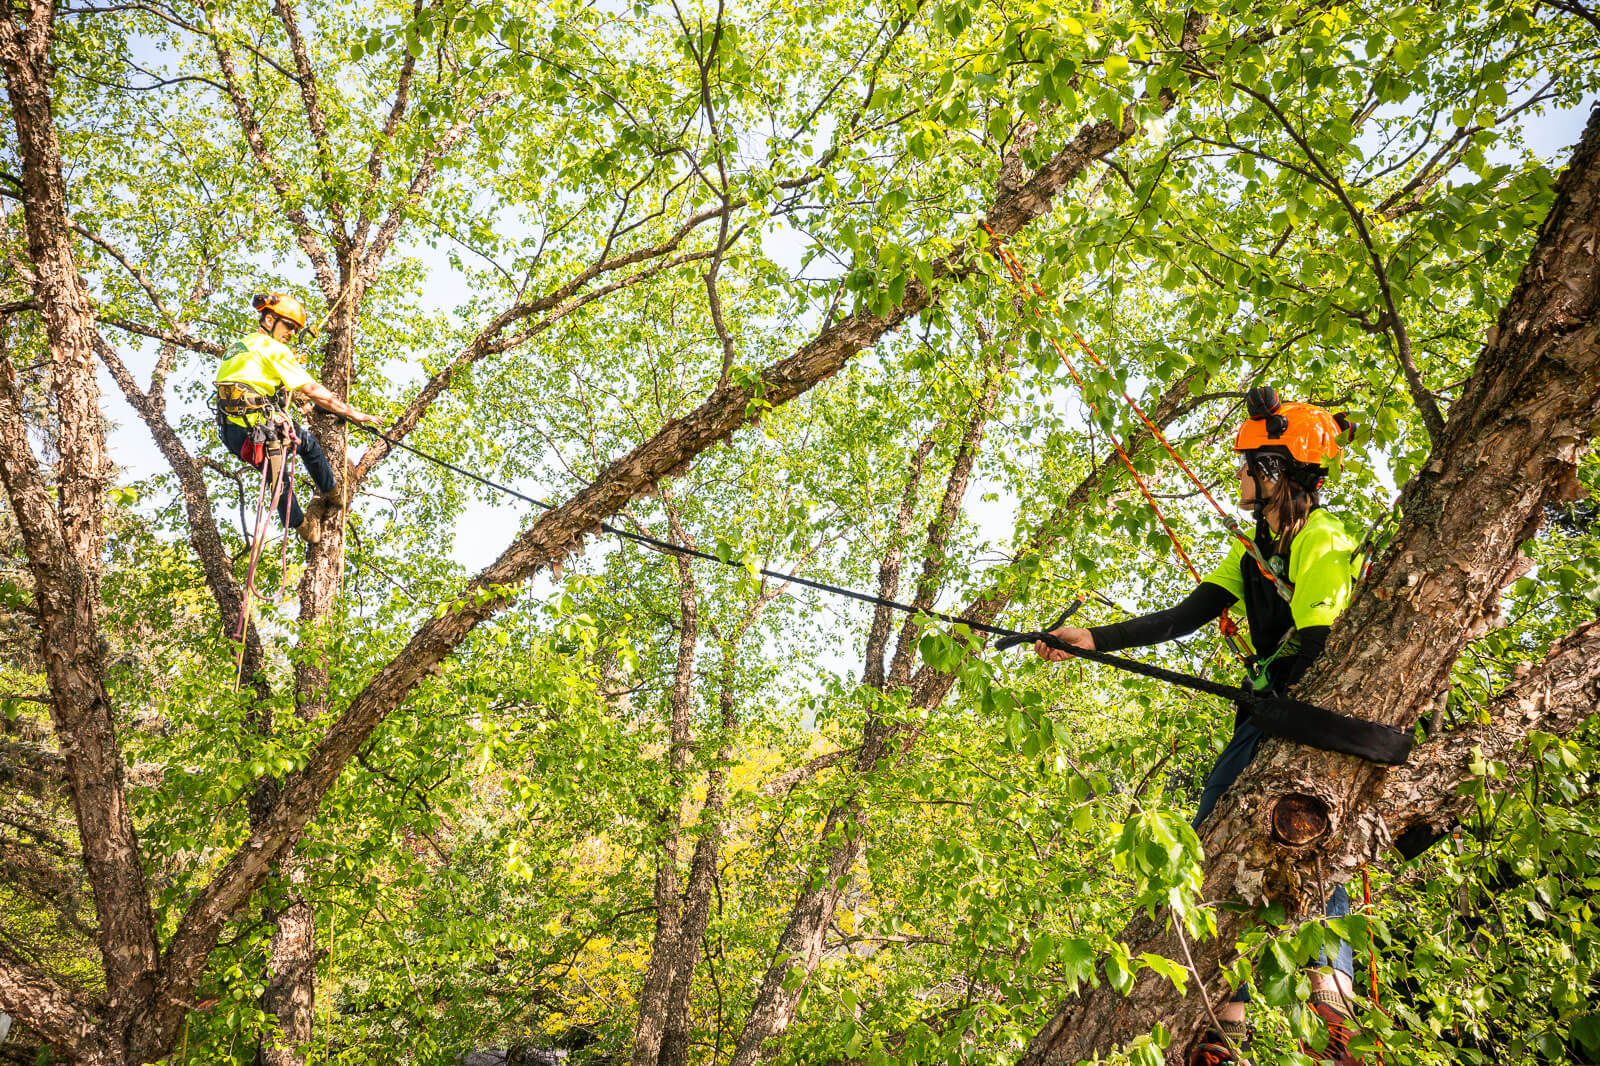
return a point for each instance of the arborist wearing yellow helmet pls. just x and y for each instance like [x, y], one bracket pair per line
[259, 372]
[1290, 603]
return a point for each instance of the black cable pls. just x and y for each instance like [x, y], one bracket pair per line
[1380, 743]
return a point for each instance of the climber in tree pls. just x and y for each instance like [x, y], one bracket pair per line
[1293, 587]
[259, 372]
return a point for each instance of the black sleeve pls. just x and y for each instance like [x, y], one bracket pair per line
[1313, 639]
[1206, 602]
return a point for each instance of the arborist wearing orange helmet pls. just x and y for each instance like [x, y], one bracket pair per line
[1293, 585]
[259, 372]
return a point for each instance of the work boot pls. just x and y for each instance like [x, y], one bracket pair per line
[325, 502]
[310, 529]
[1212, 1050]
[1330, 1007]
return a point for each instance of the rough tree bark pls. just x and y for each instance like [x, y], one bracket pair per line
[665, 951]
[662, 1030]
[150, 996]
[64, 535]
[703, 861]
[1509, 447]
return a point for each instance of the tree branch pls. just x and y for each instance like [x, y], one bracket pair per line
[45, 1005]
[1555, 697]
[422, 180]
[251, 128]
[791, 777]
[181, 340]
[384, 140]
[1427, 406]
[316, 121]
[873, 670]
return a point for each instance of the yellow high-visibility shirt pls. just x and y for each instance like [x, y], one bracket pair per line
[265, 365]
[1322, 568]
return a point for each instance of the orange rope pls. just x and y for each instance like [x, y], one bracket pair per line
[1372, 950]
[1019, 277]
[1228, 627]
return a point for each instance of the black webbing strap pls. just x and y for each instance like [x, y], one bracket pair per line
[1278, 716]
[1318, 727]
[1302, 723]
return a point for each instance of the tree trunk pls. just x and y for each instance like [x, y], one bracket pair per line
[64, 535]
[666, 952]
[844, 831]
[692, 926]
[291, 993]
[1510, 446]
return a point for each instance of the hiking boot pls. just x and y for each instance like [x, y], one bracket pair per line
[1329, 1006]
[324, 502]
[1212, 1050]
[310, 528]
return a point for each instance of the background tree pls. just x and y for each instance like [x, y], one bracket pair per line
[654, 806]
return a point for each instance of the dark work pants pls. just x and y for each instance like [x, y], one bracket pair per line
[315, 460]
[1230, 764]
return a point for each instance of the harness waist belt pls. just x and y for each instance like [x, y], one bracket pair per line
[235, 398]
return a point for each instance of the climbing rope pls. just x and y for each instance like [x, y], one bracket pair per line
[1372, 949]
[274, 468]
[1280, 716]
[1024, 285]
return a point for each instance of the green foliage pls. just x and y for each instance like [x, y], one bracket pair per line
[483, 872]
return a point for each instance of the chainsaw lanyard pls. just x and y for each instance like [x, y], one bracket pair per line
[1301, 722]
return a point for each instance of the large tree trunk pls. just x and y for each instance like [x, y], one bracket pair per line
[291, 993]
[1510, 446]
[64, 535]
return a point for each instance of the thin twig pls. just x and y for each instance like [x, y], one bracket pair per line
[1177, 927]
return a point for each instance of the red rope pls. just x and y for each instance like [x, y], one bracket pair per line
[1372, 950]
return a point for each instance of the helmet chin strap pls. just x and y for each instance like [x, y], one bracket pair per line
[1258, 505]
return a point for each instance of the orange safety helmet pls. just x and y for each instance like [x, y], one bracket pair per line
[285, 307]
[1305, 435]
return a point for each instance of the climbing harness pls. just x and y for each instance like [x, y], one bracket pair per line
[1280, 716]
[235, 399]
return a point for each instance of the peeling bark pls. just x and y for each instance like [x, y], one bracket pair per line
[64, 537]
[1510, 445]
[1555, 697]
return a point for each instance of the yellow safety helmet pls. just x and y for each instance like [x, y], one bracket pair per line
[285, 307]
